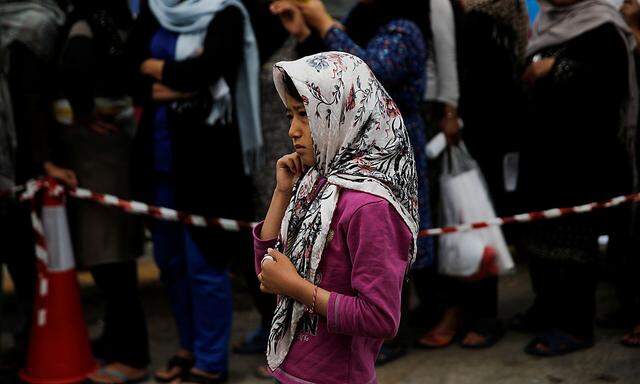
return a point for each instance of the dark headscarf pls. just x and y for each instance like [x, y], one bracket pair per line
[366, 18]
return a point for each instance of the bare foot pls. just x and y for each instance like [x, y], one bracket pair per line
[473, 339]
[632, 338]
[443, 333]
[105, 375]
[173, 372]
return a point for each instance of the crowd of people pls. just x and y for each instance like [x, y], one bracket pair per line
[161, 101]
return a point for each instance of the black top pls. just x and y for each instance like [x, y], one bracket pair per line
[572, 148]
[31, 83]
[94, 66]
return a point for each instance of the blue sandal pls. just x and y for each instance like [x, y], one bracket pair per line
[120, 377]
[558, 343]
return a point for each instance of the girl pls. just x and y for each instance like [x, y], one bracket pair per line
[390, 36]
[348, 229]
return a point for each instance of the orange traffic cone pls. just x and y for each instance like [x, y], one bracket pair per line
[59, 349]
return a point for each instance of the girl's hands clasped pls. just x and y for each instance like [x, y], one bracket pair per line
[279, 276]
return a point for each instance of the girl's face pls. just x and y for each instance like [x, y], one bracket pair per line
[300, 132]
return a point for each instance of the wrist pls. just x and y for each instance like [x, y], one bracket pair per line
[325, 24]
[301, 290]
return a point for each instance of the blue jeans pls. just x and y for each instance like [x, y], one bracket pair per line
[199, 293]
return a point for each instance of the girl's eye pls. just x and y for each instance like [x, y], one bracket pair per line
[289, 116]
[303, 113]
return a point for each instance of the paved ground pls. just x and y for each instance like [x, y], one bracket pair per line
[608, 362]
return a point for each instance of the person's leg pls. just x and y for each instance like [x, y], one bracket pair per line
[450, 295]
[125, 336]
[170, 256]
[481, 312]
[212, 310]
[578, 294]
[17, 239]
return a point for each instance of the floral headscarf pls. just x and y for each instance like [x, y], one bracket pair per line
[360, 143]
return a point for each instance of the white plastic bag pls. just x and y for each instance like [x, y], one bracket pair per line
[465, 200]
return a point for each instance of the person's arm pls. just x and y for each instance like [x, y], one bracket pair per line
[444, 52]
[387, 54]
[222, 53]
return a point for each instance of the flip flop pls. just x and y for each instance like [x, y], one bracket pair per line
[558, 343]
[121, 377]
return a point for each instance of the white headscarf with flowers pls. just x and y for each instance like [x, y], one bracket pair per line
[360, 143]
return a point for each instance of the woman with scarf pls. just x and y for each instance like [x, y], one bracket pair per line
[201, 125]
[578, 147]
[340, 233]
[390, 36]
[98, 143]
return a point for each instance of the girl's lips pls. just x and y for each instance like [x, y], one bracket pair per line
[299, 147]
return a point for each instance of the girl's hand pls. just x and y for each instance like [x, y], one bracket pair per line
[280, 277]
[291, 18]
[152, 68]
[288, 169]
[316, 15]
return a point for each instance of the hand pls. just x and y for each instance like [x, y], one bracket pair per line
[102, 127]
[153, 68]
[291, 18]
[631, 11]
[288, 169]
[66, 176]
[316, 16]
[160, 92]
[449, 125]
[280, 276]
[538, 70]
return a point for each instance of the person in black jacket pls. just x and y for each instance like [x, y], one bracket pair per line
[577, 148]
[198, 142]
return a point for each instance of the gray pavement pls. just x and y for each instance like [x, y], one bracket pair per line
[607, 362]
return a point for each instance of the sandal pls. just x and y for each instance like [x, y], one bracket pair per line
[558, 343]
[436, 340]
[491, 330]
[185, 365]
[194, 378]
[120, 377]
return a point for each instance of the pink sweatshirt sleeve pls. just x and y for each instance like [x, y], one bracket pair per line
[260, 246]
[378, 242]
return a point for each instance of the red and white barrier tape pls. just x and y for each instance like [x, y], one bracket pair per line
[167, 214]
[532, 216]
